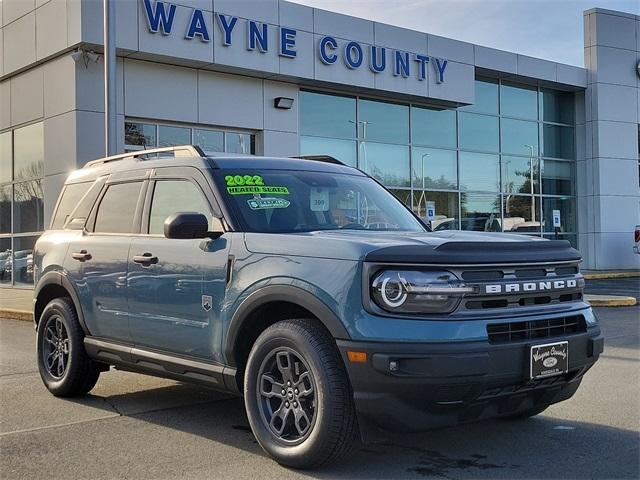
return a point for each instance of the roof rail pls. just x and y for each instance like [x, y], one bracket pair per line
[178, 151]
[320, 158]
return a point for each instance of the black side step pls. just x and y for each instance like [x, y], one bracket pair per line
[162, 364]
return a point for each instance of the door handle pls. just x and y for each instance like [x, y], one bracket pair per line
[145, 259]
[81, 256]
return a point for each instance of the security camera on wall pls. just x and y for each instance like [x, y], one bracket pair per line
[85, 57]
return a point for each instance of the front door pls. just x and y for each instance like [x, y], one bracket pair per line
[176, 287]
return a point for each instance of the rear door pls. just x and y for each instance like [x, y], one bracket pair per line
[176, 287]
[96, 262]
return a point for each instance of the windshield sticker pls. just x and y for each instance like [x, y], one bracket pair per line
[242, 180]
[319, 199]
[257, 190]
[267, 203]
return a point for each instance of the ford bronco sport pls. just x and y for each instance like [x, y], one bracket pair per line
[309, 289]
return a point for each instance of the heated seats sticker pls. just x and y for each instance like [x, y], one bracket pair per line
[257, 190]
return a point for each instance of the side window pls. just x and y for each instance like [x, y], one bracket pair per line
[117, 208]
[69, 199]
[171, 196]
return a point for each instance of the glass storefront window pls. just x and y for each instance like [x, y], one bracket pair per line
[170, 136]
[519, 173]
[22, 265]
[140, 134]
[5, 261]
[403, 195]
[5, 209]
[343, 150]
[486, 97]
[484, 160]
[479, 171]
[558, 142]
[433, 127]
[209, 140]
[28, 152]
[21, 201]
[567, 207]
[445, 205]
[519, 137]
[6, 173]
[238, 143]
[478, 132]
[383, 122]
[557, 177]
[387, 163]
[557, 107]
[521, 214]
[28, 207]
[327, 115]
[520, 101]
[480, 213]
[434, 168]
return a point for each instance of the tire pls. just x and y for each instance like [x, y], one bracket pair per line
[524, 415]
[316, 416]
[59, 331]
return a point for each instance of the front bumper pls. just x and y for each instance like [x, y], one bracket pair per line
[442, 384]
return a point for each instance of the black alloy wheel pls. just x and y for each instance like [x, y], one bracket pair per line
[55, 351]
[286, 395]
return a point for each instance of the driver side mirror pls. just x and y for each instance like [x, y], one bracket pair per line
[186, 225]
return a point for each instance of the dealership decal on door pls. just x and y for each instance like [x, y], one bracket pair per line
[354, 55]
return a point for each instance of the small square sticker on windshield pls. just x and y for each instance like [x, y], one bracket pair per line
[319, 199]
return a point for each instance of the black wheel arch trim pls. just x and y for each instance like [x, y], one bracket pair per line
[280, 293]
[59, 279]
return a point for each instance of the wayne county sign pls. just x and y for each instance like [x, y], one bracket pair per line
[160, 18]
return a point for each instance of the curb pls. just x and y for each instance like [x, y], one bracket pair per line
[610, 275]
[610, 301]
[12, 314]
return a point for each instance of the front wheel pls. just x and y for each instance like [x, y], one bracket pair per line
[64, 366]
[297, 395]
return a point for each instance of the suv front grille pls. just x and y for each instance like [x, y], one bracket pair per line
[536, 329]
[521, 286]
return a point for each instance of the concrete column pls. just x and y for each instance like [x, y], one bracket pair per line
[611, 195]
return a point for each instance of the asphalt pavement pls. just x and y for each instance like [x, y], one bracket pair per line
[138, 427]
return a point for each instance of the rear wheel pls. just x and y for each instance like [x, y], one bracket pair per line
[297, 395]
[64, 366]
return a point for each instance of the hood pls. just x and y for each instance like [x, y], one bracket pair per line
[447, 247]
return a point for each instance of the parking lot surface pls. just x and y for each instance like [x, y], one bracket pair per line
[132, 426]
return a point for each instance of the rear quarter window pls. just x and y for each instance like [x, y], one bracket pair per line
[69, 200]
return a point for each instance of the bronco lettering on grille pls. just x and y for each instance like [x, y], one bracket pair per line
[530, 286]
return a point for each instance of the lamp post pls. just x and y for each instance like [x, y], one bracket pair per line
[533, 198]
[110, 117]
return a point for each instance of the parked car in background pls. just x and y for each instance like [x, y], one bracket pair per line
[5, 257]
[636, 239]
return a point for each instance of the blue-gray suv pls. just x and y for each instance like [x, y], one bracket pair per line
[309, 289]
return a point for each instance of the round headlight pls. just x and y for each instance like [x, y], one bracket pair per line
[392, 292]
[413, 291]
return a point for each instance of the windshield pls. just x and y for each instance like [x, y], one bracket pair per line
[300, 201]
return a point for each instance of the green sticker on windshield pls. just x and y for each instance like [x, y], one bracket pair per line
[257, 190]
[244, 180]
[266, 203]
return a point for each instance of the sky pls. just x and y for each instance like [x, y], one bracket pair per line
[549, 29]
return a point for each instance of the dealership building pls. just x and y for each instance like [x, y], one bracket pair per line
[470, 137]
